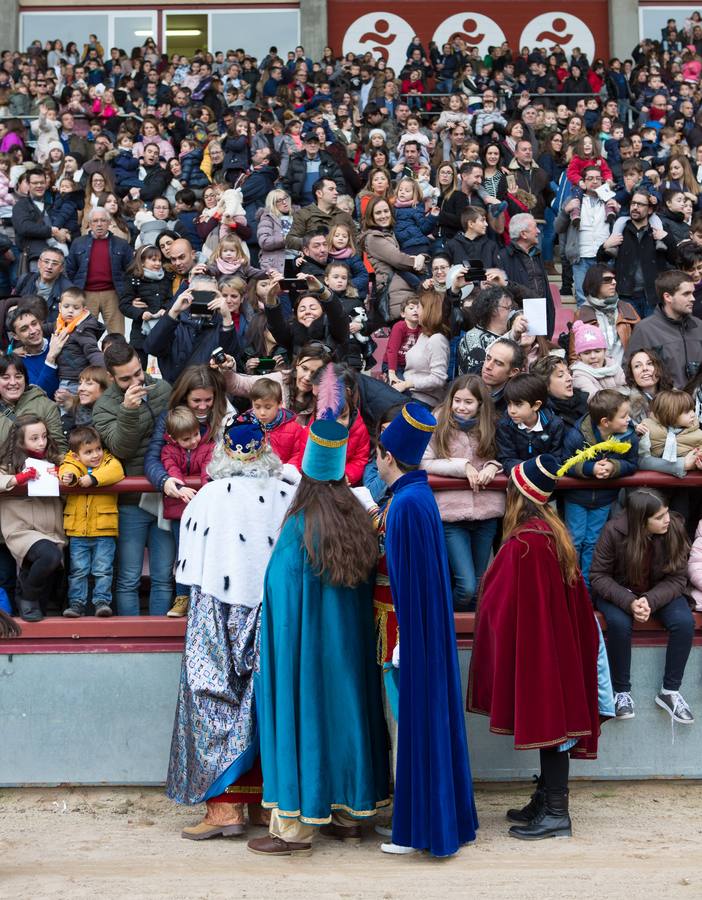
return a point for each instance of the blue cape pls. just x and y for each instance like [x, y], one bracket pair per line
[434, 807]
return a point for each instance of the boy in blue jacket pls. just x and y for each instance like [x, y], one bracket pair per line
[528, 428]
[587, 511]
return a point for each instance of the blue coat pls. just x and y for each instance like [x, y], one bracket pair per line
[412, 226]
[515, 444]
[585, 434]
[320, 716]
[126, 169]
[434, 807]
[193, 175]
[121, 255]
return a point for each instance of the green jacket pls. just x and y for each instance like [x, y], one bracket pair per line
[33, 402]
[126, 432]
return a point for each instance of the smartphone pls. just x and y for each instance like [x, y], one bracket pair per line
[200, 300]
[290, 284]
[290, 270]
[266, 364]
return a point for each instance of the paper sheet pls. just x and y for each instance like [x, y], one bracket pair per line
[535, 313]
[47, 484]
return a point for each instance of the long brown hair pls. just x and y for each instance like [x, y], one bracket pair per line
[339, 537]
[668, 406]
[641, 504]
[485, 429]
[519, 509]
[432, 304]
[207, 379]
[15, 456]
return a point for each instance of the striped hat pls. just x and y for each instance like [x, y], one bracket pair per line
[536, 478]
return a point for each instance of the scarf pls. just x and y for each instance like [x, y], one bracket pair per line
[227, 268]
[153, 275]
[71, 326]
[404, 204]
[341, 254]
[672, 443]
[464, 425]
[271, 425]
[598, 371]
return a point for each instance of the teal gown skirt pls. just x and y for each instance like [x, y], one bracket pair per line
[322, 730]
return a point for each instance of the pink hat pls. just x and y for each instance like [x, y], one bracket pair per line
[588, 337]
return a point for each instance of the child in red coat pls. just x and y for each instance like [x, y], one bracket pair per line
[283, 431]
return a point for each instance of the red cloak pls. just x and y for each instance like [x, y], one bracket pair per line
[533, 669]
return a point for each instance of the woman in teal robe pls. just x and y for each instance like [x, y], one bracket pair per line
[324, 751]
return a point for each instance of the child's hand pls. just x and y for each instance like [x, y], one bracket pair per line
[186, 494]
[691, 460]
[604, 468]
[85, 481]
[472, 475]
[68, 478]
[28, 475]
[641, 428]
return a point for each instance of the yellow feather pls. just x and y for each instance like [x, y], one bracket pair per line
[609, 446]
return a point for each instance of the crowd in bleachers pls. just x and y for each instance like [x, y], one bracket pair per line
[183, 240]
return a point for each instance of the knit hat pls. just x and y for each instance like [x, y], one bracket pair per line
[55, 145]
[588, 337]
[536, 478]
[409, 433]
[372, 133]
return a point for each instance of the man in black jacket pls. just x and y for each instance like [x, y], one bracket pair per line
[154, 176]
[524, 266]
[307, 167]
[30, 219]
[640, 253]
[48, 282]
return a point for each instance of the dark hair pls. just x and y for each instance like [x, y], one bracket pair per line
[319, 184]
[484, 432]
[641, 504]
[28, 306]
[8, 360]
[119, 353]
[339, 538]
[403, 467]
[592, 282]
[526, 388]
[547, 365]
[206, 378]
[518, 357]
[186, 196]
[665, 380]
[14, 455]
[486, 304]
[604, 405]
[83, 434]
[669, 282]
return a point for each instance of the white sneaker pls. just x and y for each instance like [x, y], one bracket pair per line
[397, 849]
[383, 831]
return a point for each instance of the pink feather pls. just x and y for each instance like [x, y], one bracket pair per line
[331, 394]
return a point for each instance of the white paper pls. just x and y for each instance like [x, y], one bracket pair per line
[46, 484]
[605, 192]
[534, 309]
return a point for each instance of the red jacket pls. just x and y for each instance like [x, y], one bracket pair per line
[179, 463]
[577, 164]
[357, 451]
[285, 438]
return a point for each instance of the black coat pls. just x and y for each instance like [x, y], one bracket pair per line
[189, 341]
[294, 180]
[515, 444]
[32, 227]
[156, 294]
[332, 329]
[653, 261]
[527, 271]
[483, 248]
[81, 349]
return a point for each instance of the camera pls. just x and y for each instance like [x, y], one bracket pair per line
[219, 356]
[475, 270]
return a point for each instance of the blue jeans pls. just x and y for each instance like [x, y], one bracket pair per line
[91, 556]
[548, 235]
[585, 525]
[579, 270]
[640, 304]
[138, 529]
[180, 589]
[468, 545]
[675, 617]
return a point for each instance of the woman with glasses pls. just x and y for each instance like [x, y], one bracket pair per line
[602, 307]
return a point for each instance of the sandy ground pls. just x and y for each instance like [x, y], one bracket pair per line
[632, 840]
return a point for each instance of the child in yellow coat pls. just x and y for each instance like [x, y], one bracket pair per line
[90, 521]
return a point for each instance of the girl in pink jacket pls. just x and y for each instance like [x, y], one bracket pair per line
[463, 447]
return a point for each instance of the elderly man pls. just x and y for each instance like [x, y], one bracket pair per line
[524, 266]
[97, 263]
[307, 167]
[30, 219]
[48, 282]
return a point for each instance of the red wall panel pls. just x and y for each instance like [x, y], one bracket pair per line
[358, 26]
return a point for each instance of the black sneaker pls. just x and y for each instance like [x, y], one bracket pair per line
[103, 611]
[676, 707]
[73, 612]
[623, 705]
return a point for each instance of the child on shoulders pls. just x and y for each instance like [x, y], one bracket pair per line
[82, 331]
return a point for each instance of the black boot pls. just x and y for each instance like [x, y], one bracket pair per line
[533, 807]
[552, 821]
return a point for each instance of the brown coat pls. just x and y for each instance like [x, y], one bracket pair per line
[608, 575]
[387, 259]
[26, 520]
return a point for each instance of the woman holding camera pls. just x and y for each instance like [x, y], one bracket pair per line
[317, 316]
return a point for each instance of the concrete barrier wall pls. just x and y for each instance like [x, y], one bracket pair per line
[106, 718]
